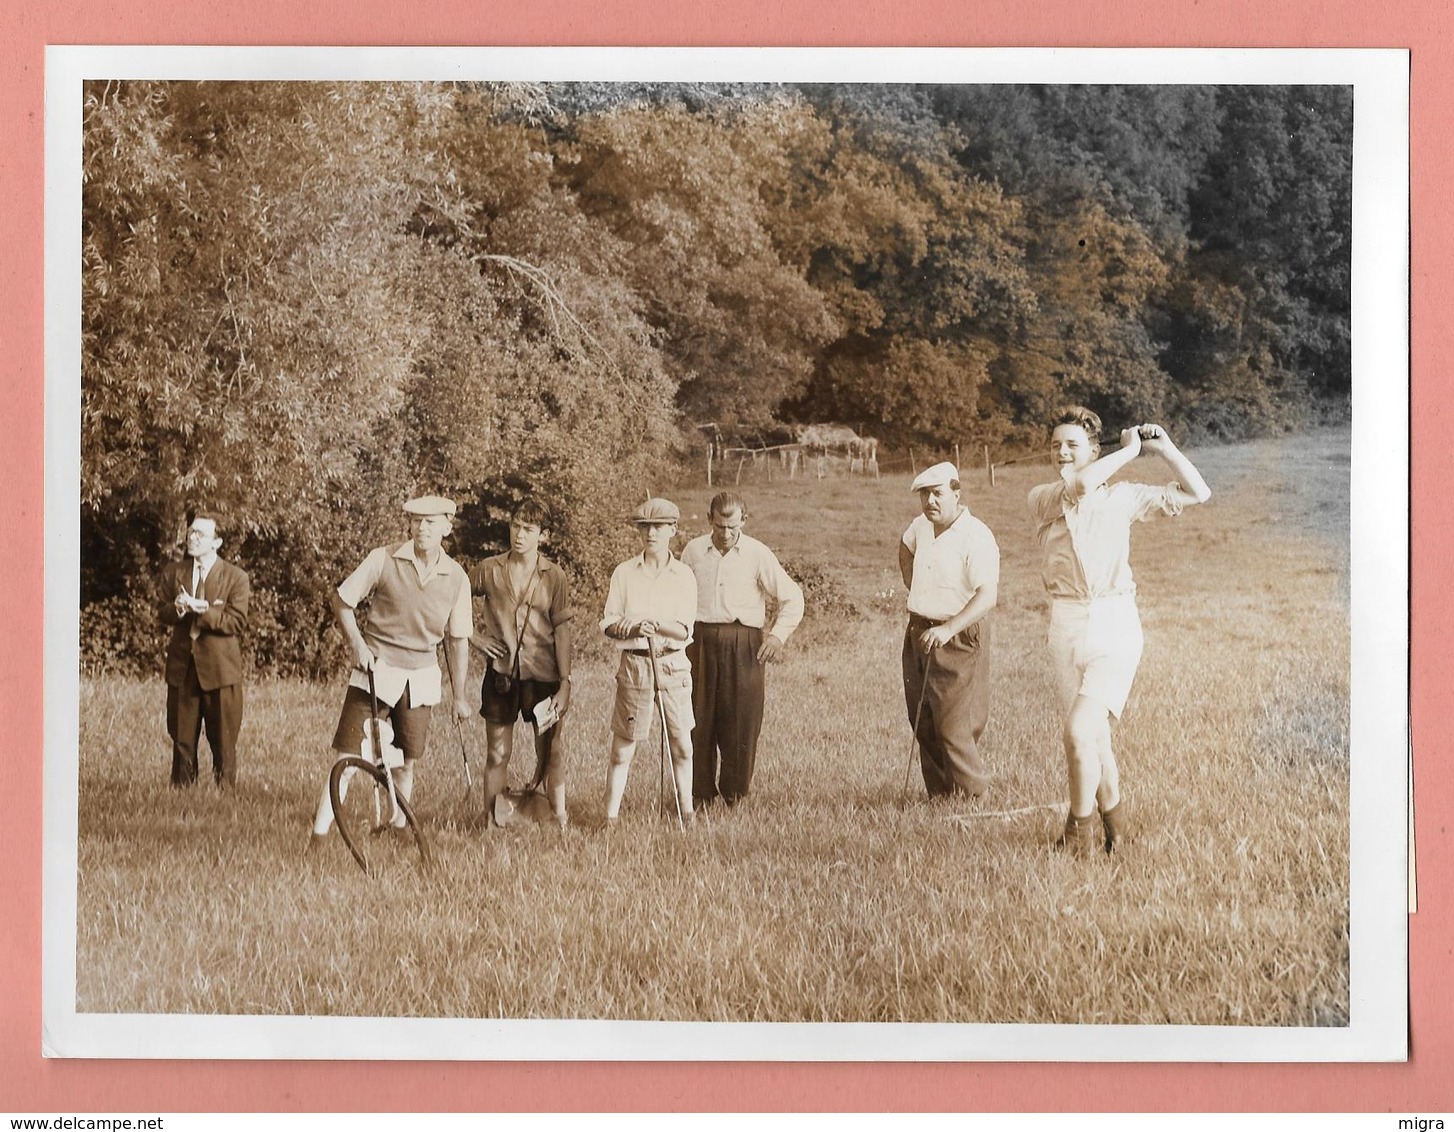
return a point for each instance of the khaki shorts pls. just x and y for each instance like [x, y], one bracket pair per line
[636, 702]
[1096, 647]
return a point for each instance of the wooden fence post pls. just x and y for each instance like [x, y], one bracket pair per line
[709, 465]
[988, 467]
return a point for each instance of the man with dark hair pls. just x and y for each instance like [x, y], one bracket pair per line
[526, 639]
[204, 600]
[419, 595]
[1083, 525]
[950, 563]
[747, 607]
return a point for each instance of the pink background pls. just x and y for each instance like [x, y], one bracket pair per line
[30, 1083]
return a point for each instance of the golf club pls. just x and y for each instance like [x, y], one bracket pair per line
[469, 781]
[378, 742]
[665, 739]
[918, 715]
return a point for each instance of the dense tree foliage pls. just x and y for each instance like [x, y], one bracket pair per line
[303, 302]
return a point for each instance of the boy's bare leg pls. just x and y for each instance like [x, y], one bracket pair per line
[1108, 793]
[1108, 800]
[1087, 742]
[547, 747]
[499, 741]
[621, 752]
[681, 768]
[404, 786]
[323, 816]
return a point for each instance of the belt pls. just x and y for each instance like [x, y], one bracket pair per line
[917, 619]
[1088, 599]
[647, 652]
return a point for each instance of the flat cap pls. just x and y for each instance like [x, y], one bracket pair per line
[657, 511]
[933, 477]
[430, 505]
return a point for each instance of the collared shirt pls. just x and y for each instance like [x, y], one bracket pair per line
[737, 586]
[200, 571]
[951, 567]
[527, 619]
[639, 594]
[1087, 541]
[413, 605]
[424, 684]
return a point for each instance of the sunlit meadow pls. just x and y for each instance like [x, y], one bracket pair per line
[832, 894]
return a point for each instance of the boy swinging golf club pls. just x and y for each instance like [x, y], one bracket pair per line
[1083, 526]
[650, 606]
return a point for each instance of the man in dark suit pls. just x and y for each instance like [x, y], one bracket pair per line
[204, 600]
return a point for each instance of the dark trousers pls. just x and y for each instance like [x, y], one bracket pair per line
[954, 681]
[728, 690]
[189, 708]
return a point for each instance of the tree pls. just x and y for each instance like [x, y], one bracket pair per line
[240, 243]
[279, 322]
[917, 260]
[1137, 151]
[684, 193]
[541, 374]
[1273, 217]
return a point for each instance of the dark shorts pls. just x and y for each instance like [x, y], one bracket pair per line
[411, 724]
[519, 702]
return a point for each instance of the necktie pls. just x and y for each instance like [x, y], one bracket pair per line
[199, 579]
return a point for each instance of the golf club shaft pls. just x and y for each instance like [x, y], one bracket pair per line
[918, 715]
[379, 747]
[665, 736]
[469, 781]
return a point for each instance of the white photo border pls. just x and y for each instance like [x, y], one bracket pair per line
[1379, 525]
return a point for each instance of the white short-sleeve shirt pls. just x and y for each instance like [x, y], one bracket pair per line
[1086, 540]
[951, 568]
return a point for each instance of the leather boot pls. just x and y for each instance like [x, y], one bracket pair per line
[1113, 825]
[1079, 837]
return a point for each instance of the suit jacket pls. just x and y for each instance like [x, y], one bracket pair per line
[216, 649]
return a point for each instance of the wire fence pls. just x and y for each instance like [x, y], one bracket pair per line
[776, 462]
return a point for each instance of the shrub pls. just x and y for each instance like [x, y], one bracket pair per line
[120, 635]
[824, 594]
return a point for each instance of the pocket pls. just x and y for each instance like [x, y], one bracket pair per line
[634, 673]
[675, 669]
[968, 639]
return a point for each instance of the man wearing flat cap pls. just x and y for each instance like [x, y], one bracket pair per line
[650, 607]
[419, 595]
[951, 565]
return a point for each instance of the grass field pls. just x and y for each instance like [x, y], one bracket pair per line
[830, 895]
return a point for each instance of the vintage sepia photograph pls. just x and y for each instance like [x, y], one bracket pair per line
[813, 555]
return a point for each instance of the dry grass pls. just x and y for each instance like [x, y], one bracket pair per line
[829, 896]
